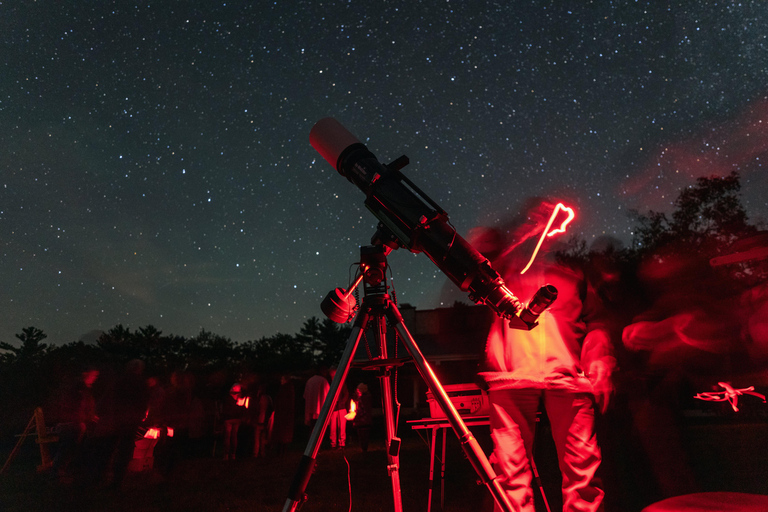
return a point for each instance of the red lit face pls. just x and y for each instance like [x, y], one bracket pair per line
[89, 377]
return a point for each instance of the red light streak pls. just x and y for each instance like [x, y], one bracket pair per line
[731, 394]
[547, 233]
[560, 207]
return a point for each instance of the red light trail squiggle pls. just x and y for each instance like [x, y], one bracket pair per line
[546, 233]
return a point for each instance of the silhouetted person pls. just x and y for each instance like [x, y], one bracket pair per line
[233, 413]
[121, 413]
[173, 442]
[76, 416]
[363, 419]
[196, 418]
[262, 418]
[285, 412]
[156, 402]
[315, 391]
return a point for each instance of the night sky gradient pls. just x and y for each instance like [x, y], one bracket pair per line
[156, 166]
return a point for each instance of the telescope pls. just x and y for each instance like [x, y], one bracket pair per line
[409, 219]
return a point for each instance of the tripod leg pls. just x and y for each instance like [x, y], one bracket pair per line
[468, 442]
[535, 470]
[27, 431]
[432, 467]
[393, 447]
[296, 493]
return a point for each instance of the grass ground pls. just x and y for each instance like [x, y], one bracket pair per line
[247, 484]
[724, 457]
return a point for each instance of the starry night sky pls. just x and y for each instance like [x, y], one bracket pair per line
[156, 167]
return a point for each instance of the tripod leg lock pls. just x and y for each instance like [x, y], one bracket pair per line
[482, 467]
[394, 447]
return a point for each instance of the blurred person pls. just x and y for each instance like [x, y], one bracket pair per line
[315, 391]
[233, 413]
[564, 363]
[363, 415]
[746, 259]
[156, 402]
[284, 416]
[690, 316]
[683, 338]
[262, 417]
[754, 304]
[196, 418]
[338, 416]
[76, 417]
[174, 425]
[179, 407]
[121, 412]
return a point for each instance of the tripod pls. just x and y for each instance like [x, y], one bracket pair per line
[376, 310]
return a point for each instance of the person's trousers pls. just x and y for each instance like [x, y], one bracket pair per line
[572, 417]
[338, 428]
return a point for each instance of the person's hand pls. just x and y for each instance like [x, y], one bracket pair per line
[602, 387]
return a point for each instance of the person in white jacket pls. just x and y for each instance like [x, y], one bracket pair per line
[565, 362]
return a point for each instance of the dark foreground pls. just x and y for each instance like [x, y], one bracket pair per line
[249, 484]
[724, 458]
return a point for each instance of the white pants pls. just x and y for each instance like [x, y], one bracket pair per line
[338, 428]
[513, 424]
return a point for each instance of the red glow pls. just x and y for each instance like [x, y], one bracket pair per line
[559, 208]
[169, 431]
[152, 433]
[735, 143]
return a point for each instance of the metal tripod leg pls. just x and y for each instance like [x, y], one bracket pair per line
[393, 449]
[535, 470]
[372, 311]
[296, 493]
[374, 307]
[469, 444]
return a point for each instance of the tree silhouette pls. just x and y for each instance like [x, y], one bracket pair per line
[278, 353]
[335, 338]
[708, 217]
[25, 376]
[210, 350]
[311, 340]
[31, 349]
[147, 340]
[116, 337]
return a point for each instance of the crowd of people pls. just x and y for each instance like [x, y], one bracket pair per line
[98, 415]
